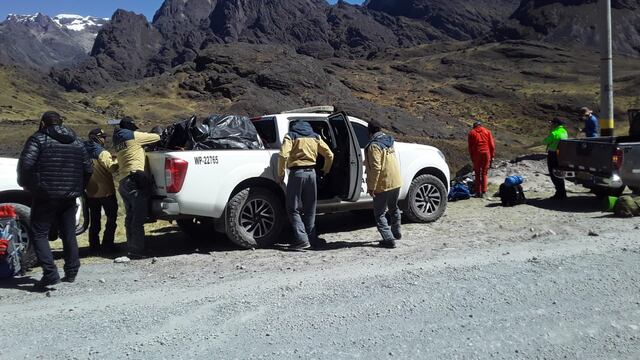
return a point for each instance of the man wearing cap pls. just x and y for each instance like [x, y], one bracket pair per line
[383, 184]
[55, 168]
[134, 184]
[482, 149]
[558, 132]
[591, 124]
[299, 153]
[101, 193]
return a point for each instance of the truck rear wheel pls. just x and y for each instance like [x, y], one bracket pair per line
[426, 200]
[255, 218]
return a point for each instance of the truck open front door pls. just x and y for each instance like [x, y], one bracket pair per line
[348, 142]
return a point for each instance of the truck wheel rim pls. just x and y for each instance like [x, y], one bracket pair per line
[257, 217]
[428, 199]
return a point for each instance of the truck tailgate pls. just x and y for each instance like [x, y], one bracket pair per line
[155, 164]
[630, 169]
[591, 155]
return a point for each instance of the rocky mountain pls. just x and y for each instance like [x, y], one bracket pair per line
[454, 19]
[41, 42]
[181, 29]
[575, 22]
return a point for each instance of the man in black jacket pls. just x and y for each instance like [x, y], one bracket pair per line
[55, 168]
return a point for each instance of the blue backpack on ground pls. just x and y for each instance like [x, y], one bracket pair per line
[459, 191]
[513, 180]
[511, 191]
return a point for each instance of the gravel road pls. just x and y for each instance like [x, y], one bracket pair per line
[483, 282]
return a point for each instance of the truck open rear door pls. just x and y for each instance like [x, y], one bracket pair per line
[348, 142]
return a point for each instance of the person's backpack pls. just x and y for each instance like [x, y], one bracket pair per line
[627, 206]
[11, 246]
[512, 195]
[459, 191]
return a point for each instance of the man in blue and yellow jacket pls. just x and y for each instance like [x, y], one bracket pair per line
[383, 184]
[134, 185]
[299, 153]
[101, 193]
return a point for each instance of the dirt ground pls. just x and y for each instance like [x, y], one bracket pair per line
[544, 280]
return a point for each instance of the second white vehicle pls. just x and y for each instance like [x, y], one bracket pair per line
[236, 191]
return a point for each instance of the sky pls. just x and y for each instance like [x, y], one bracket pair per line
[99, 8]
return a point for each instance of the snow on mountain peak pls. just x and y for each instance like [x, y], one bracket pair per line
[77, 22]
[70, 22]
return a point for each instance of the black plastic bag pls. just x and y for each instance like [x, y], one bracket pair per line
[214, 132]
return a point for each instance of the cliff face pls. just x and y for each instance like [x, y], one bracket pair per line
[130, 48]
[575, 22]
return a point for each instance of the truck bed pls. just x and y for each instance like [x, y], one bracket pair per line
[596, 157]
[593, 155]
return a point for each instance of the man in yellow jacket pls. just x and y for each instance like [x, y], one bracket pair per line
[101, 193]
[299, 153]
[383, 184]
[134, 184]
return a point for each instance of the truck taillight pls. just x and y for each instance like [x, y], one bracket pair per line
[175, 170]
[617, 158]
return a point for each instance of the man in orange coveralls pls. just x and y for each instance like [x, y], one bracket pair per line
[482, 149]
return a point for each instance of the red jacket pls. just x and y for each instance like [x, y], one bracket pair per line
[481, 142]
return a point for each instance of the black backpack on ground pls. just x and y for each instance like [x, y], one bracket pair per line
[512, 195]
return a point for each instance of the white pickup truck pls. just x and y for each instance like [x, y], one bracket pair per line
[236, 192]
[12, 194]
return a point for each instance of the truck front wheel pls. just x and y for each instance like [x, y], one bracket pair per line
[255, 218]
[29, 258]
[426, 200]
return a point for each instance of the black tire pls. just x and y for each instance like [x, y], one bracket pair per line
[255, 218]
[29, 258]
[198, 229]
[426, 200]
[606, 191]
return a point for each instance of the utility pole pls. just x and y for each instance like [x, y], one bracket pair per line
[606, 71]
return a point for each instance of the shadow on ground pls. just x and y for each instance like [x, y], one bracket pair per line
[171, 241]
[573, 204]
[25, 283]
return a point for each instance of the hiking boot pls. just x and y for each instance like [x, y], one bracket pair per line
[319, 244]
[69, 278]
[299, 246]
[388, 244]
[135, 256]
[559, 196]
[43, 284]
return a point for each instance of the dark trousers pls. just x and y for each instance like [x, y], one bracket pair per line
[552, 163]
[383, 203]
[60, 212]
[110, 206]
[136, 204]
[302, 197]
